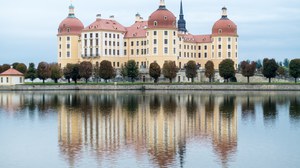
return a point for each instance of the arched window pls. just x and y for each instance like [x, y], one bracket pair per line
[155, 23]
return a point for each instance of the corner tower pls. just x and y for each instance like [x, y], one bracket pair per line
[69, 32]
[225, 39]
[181, 21]
[162, 35]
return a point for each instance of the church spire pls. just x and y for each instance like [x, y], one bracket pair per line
[181, 8]
[181, 21]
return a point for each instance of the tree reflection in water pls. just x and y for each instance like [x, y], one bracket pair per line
[170, 104]
[105, 103]
[248, 109]
[191, 106]
[270, 111]
[295, 109]
[154, 104]
[130, 103]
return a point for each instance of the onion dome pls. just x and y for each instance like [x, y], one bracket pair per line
[71, 25]
[162, 18]
[224, 26]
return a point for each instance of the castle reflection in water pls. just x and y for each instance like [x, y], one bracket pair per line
[155, 123]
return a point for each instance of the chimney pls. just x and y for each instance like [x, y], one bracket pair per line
[138, 18]
[112, 17]
[98, 16]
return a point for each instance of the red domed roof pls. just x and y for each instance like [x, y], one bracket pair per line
[70, 26]
[162, 18]
[224, 26]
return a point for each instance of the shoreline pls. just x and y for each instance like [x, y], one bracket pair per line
[122, 87]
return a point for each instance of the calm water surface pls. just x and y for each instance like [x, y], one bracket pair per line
[149, 129]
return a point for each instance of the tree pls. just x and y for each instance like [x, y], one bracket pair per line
[15, 64]
[281, 71]
[258, 64]
[43, 71]
[21, 68]
[31, 72]
[67, 71]
[209, 70]
[295, 69]
[96, 72]
[248, 69]
[226, 69]
[170, 70]
[5, 67]
[123, 72]
[132, 70]
[286, 62]
[56, 72]
[191, 70]
[106, 70]
[86, 70]
[75, 72]
[154, 71]
[269, 68]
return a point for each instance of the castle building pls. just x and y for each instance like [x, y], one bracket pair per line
[158, 39]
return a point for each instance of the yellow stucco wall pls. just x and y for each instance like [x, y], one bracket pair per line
[179, 50]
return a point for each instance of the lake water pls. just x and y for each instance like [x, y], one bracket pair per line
[87, 129]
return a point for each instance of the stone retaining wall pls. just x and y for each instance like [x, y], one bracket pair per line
[250, 87]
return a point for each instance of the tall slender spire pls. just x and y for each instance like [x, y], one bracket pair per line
[181, 8]
[181, 21]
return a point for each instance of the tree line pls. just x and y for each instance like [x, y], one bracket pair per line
[85, 70]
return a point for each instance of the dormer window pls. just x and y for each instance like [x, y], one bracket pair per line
[68, 29]
[165, 17]
[220, 31]
[155, 23]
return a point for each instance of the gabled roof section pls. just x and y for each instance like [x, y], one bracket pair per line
[189, 38]
[11, 72]
[105, 24]
[137, 30]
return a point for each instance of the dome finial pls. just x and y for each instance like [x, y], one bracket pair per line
[71, 11]
[224, 13]
[162, 4]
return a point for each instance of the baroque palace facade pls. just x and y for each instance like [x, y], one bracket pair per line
[158, 39]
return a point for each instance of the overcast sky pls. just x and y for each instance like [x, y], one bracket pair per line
[266, 28]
